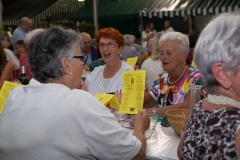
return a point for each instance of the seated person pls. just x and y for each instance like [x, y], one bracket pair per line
[213, 129]
[6, 67]
[128, 50]
[88, 49]
[153, 65]
[108, 78]
[169, 90]
[63, 120]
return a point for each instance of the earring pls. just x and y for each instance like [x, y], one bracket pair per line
[70, 73]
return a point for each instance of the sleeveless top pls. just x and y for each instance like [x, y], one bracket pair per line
[2, 67]
[211, 134]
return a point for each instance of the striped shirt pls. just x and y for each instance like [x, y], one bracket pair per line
[97, 83]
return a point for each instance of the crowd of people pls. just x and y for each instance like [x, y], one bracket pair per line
[58, 111]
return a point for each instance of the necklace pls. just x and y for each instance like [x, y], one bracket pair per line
[178, 78]
[223, 100]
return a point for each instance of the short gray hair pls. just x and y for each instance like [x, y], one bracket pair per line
[176, 36]
[3, 40]
[155, 53]
[218, 42]
[31, 34]
[127, 39]
[47, 49]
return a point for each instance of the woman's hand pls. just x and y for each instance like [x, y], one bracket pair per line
[83, 86]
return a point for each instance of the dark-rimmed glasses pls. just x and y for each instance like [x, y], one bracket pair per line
[108, 45]
[82, 58]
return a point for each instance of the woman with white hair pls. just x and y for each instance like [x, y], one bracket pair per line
[170, 91]
[153, 65]
[213, 130]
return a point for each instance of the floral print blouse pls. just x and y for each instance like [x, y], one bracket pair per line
[211, 134]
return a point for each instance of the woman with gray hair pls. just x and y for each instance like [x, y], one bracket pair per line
[170, 91]
[55, 118]
[153, 64]
[213, 130]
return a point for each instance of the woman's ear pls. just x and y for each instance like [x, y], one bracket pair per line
[66, 65]
[222, 75]
[120, 50]
[184, 56]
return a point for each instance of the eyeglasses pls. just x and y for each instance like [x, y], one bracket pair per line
[82, 58]
[108, 45]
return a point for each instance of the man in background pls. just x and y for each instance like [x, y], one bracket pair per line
[151, 27]
[10, 55]
[20, 32]
[88, 49]
[129, 51]
[167, 27]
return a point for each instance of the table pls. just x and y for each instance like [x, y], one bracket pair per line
[162, 144]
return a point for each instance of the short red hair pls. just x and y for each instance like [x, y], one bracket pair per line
[110, 33]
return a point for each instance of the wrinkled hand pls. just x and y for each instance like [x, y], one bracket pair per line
[83, 86]
[142, 121]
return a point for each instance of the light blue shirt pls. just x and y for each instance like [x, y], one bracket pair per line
[89, 59]
[18, 34]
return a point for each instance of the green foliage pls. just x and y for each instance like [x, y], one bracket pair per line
[87, 27]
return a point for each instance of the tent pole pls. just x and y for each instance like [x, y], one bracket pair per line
[95, 15]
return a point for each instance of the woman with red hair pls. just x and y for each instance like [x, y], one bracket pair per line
[108, 78]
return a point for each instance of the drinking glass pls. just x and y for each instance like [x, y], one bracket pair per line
[120, 117]
[153, 121]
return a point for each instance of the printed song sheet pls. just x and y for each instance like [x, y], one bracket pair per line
[110, 99]
[6, 89]
[132, 61]
[133, 91]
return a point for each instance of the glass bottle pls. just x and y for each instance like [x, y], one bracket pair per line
[15, 77]
[195, 98]
[23, 78]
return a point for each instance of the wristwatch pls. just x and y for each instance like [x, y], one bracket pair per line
[154, 110]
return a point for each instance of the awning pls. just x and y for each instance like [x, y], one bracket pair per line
[172, 8]
[37, 10]
[112, 10]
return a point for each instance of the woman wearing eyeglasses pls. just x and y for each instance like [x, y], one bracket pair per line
[170, 91]
[53, 117]
[108, 78]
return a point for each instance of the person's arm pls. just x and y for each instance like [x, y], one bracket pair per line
[237, 144]
[149, 101]
[162, 111]
[141, 124]
[180, 145]
[7, 73]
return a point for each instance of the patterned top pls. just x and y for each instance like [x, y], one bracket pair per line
[211, 134]
[168, 95]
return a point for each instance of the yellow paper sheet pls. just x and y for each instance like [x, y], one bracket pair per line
[108, 99]
[6, 89]
[133, 91]
[104, 98]
[132, 61]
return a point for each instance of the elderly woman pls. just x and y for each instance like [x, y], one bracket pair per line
[213, 130]
[153, 64]
[6, 67]
[170, 90]
[63, 121]
[108, 78]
